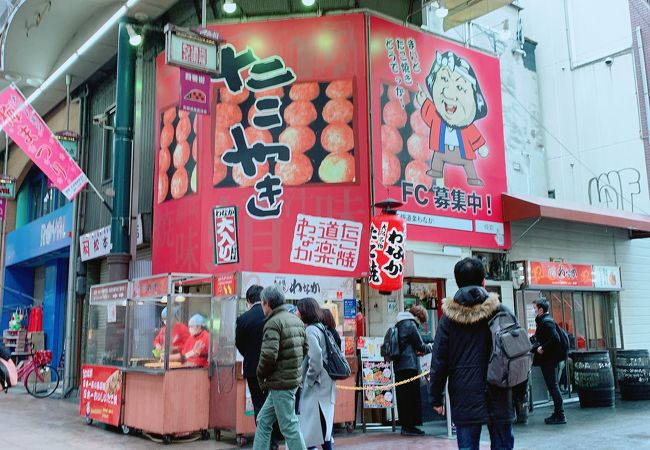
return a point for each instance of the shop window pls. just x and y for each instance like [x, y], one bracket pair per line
[579, 320]
[44, 198]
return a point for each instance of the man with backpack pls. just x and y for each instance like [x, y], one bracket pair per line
[549, 349]
[461, 353]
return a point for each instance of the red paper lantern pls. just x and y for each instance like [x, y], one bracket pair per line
[387, 241]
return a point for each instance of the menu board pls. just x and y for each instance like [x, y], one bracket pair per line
[378, 374]
[100, 394]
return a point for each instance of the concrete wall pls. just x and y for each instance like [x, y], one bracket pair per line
[589, 102]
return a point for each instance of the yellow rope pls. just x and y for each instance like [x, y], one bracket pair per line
[382, 387]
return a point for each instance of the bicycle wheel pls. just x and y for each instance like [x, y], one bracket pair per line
[43, 381]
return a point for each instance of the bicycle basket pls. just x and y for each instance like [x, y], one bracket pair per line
[42, 357]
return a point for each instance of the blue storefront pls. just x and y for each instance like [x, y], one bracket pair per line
[36, 272]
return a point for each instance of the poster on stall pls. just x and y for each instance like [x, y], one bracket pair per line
[285, 142]
[370, 348]
[100, 396]
[437, 135]
[377, 374]
[21, 122]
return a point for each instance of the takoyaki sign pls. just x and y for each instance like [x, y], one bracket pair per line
[438, 136]
[285, 142]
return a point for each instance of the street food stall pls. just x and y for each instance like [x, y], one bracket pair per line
[148, 346]
[228, 386]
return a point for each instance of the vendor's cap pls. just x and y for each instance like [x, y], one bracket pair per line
[197, 320]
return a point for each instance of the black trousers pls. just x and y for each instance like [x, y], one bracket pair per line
[409, 403]
[550, 378]
[258, 397]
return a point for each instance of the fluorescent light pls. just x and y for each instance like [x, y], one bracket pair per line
[308, 2]
[83, 49]
[229, 7]
[60, 71]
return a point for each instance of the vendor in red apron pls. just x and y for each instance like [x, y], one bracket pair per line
[195, 352]
[180, 334]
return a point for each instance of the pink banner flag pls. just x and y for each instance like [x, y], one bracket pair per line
[27, 129]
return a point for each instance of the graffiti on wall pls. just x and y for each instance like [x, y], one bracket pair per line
[615, 189]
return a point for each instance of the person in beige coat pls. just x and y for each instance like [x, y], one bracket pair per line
[318, 395]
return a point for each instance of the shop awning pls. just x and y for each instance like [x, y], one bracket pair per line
[521, 207]
[462, 11]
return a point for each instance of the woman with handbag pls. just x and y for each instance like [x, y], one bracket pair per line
[318, 394]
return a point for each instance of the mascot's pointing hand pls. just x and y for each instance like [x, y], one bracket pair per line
[483, 151]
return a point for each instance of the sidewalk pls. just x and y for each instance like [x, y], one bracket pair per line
[30, 423]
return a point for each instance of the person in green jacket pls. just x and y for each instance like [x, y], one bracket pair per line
[279, 371]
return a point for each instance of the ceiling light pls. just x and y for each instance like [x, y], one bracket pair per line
[34, 81]
[89, 43]
[229, 7]
[442, 12]
[12, 78]
[308, 2]
[135, 38]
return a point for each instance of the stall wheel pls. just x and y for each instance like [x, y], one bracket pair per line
[217, 435]
[126, 429]
[167, 439]
[349, 427]
[205, 435]
[240, 440]
[89, 421]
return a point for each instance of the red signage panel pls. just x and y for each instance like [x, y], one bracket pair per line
[543, 273]
[101, 393]
[285, 143]
[437, 136]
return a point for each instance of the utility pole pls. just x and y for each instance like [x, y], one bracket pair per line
[118, 260]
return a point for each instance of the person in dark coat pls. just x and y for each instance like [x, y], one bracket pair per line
[461, 351]
[546, 350]
[407, 365]
[248, 340]
[327, 319]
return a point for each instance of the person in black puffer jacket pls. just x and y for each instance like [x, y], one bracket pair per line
[462, 348]
[407, 365]
[547, 349]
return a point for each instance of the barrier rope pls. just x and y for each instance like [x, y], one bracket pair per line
[382, 387]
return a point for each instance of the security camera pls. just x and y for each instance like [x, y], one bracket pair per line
[609, 61]
[99, 120]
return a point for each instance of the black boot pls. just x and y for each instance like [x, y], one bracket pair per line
[557, 418]
[521, 412]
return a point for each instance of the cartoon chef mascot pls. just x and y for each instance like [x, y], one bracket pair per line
[456, 103]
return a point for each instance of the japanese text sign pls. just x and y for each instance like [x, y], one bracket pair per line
[607, 277]
[285, 137]
[27, 129]
[377, 374]
[195, 91]
[7, 187]
[100, 394]
[95, 244]
[185, 48]
[3, 207]
[543, 273]
[441, 155]
[326, 242]
[296, 287]
[110, 292]
[225, 235]
[387, 244]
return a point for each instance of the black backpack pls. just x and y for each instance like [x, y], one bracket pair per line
[335, 364]
[563, 348]
[390, 348]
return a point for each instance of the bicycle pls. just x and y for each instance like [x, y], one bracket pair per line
[41, 379]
